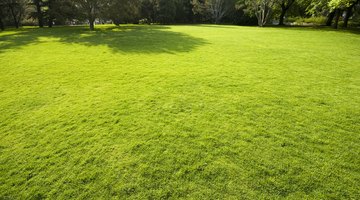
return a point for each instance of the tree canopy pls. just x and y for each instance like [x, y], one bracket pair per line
[60, 12]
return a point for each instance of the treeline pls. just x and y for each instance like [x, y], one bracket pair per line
[242, 12]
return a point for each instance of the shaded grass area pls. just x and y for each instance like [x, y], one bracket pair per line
[129, 39]
[193, 112]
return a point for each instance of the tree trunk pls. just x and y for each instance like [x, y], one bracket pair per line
[92, 27]
[347, 16]
[39, 14]
[282, 15]
[50, 22]
[51, 18]
[217, 20]
[91, 17]
[2, 27]
[16, 23]
[285, 5]
[349, 13]
[337, 17]
[330, 18]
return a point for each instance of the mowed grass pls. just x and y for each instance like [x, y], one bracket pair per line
[179, 112]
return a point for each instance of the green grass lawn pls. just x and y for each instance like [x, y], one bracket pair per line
[179, 112]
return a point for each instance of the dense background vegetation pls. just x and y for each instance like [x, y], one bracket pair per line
[242, 12]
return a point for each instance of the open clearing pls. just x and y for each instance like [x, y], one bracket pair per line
[199, 112]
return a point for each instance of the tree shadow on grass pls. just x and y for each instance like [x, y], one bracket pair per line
[127, 39]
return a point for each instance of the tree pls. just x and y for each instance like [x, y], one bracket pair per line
[334, 10]
[91, 9]
[321, 7]
[184, 13]
[262, 9]
[201, 9]
[220, 8]
[349, 12]
[16, 10]
[166, 11]
[2, 15]
[59, 11]
[216, 10]
[285, 5]
[2, 26]
[39, 13]
[51, 11]
[330, 18]
[123, 11]
[148, 10]
[339, 6]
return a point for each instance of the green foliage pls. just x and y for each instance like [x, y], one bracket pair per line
[340, 3]
[148, 10]
[91, 9]
[201, 8]
[213, 10]
[262, 9]
[123, 11]
[60, 11]
[318, 7]
[184, 13]
[12, 12]
[309, 20]
[166, 11]
[179, 112]
[242, 12]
